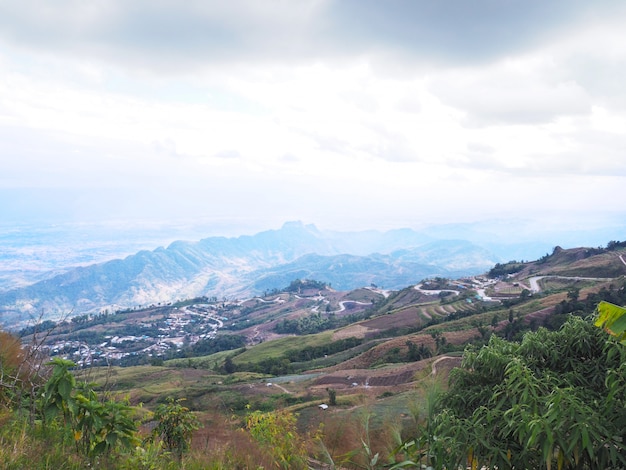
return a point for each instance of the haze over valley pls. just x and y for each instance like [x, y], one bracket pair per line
[312, 234]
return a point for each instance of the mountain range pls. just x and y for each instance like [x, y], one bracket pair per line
[245, 266]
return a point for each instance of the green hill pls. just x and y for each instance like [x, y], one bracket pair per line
[376, 357]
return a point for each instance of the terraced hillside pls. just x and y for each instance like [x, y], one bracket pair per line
[365, 351]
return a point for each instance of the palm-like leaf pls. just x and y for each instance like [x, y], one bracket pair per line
[613, 319]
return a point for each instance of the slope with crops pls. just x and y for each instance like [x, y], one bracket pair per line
[360, 381]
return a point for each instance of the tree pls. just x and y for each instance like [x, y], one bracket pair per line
[22, 370]
[332, 396]
[229, 365]
[11, 358]
[278, 434]
[175, 427]
[57, 396]
[440, 340]
[525, 294]
[96, 427]
[573, 293]
[554, 399]
[417, 353]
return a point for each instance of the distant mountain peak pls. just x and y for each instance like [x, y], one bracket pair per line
[299, 225]
[247, 265]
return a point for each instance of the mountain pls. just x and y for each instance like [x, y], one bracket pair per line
[245, 266]
[524, 239]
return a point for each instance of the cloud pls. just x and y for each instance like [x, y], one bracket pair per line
[596, 57]
[158, 34]
[511, 92]
[167, 34]
[454, 30]
[228, 154]
[255, 106]
[289, 158]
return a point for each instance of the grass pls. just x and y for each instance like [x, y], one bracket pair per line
[278, 347]
[224, 446]
[335, 359]
[363, 295]
[552, 284]
[201, 362]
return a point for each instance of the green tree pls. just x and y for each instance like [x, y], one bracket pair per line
[440, 341]
[573, 293]
[417, 353]
[96, 427]
[229, 365]
[57, 396]
[332, 396]
[176, 426]
[100, 426]
[278, 434]
[556, 399]
[541, 402]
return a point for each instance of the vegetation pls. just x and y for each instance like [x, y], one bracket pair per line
[613, 319]
[207, 346]
[277, 433]
[175, 426]
[502, 270]
[283, 364]
[308, 325]
[300, 285]
[554, 400]
[524, 396]
[573, 303]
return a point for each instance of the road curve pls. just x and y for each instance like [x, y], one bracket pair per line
[534, 281]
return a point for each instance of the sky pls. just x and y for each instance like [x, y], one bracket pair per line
[348, 114]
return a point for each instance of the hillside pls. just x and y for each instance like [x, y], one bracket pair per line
[306, 308]
[363, 352]
[244, 267]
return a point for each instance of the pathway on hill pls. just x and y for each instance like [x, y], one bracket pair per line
[483, 296]
[535, 287]
[342, 305]
[280, 386]
[437, 361]
[534, 283]
[418, 287]
[385, 293]
[277, 300]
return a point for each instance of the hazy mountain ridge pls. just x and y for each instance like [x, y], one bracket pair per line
[248, 265]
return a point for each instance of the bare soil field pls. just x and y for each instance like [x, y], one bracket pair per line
[408, 317]
[390, 376]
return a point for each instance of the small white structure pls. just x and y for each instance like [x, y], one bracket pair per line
[323, 406]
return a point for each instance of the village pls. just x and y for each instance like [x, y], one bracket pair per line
[155, 333]
[158, 333]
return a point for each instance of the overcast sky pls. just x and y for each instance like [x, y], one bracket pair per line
[346, 114]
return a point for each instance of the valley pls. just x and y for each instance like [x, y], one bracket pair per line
[145, 335]
[79, 279]
[328, 358]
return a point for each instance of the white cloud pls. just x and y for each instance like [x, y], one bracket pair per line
[514, 91]
[289, 108]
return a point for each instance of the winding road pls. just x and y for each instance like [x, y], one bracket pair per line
[534, 281]
[434, 364]
[434, 292]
